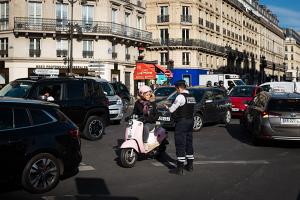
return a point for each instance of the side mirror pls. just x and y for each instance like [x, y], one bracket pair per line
[105, 93]
[208, 101]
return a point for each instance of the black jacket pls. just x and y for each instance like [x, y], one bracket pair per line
[147, 118]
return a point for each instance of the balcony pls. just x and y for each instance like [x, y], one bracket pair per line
[186, 18]
[87, 54]
[4, 53]
[3, 24]
[127, 56]
[163, 18]
[186, 63]
[61, 53]
[34, 52]
[114, 55]
[201, 21]
[62, 26]
[192, 43]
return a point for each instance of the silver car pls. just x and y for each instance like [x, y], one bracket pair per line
[116, 112]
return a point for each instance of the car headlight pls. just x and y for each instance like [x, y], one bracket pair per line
[119, 102]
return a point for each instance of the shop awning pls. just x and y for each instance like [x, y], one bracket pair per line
[147, 71]
[144, 71]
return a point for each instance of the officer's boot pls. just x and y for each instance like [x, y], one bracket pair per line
[189, 166]
[179, 169]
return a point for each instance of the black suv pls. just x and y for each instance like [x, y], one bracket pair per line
[81, 99]
[212, 105]
[122, 91]
[39, 145]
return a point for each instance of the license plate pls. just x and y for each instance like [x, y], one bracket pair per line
[290, 121]
[235, 109]
[166, 119]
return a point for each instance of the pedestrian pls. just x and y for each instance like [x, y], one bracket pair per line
[209, 84]
[221, 86]
[216, 84]
[183, 110]
[231, 85]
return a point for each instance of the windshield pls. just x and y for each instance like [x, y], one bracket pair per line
[242, 92]
[239, 82]
[107, 88]
[284, 105]
[164, 91]
[173, 96]
[16, 89]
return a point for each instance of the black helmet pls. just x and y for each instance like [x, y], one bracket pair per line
[180, 83]
[208, 83]
[221, 82]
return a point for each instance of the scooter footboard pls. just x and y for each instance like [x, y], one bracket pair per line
[130, 144]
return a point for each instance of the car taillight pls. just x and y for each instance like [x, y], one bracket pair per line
[270, 114]
[74, 133]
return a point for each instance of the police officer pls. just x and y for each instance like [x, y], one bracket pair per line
[208, 84]
[221, 85]
[183, 110]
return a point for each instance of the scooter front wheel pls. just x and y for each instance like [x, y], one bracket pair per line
[128, 157]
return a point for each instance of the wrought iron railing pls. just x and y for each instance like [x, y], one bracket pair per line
[61, 53]
[81, 27]
[163, 18]
[4, 24]
[4, 53]
[34, 52]
[87, 54]
[186, 18]
[191, 42]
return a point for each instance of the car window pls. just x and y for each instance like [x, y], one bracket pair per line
[75, 90]
[115, 86]
[123, 88]
[242, 92]
[285, 105]
[219, 94]
[164, 91]
[21, 118]
[266, 88]
[53, 90]
[16, 89]
[40, 117]
[198, 94]
[209, 95]
[239, 82]
[106, 87]
[6, 118]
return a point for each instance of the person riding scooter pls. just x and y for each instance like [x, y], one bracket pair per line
[145, 109]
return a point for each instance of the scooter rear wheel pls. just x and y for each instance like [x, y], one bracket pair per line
[128, 157]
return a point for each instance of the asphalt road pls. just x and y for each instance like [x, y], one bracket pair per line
[227, 167]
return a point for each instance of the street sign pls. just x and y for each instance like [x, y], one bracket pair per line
[168, 74]
[49, 72]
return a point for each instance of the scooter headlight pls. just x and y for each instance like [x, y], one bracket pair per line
[130, 122]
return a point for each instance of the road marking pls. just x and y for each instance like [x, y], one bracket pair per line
[84, 167]
[238, 162]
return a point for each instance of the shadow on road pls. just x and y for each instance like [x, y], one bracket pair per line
[118, 151]
[166, 160]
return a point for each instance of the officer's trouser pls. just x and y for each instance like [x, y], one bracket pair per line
[184, 139]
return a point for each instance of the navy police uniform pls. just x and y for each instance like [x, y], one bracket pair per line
[183, 111]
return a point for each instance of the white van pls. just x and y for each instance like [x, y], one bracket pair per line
[290, 87]
[226, 78]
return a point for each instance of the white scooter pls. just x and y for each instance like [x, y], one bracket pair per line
[133, 146]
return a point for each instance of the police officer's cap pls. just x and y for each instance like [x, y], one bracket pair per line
[180, 83]
[221, 82]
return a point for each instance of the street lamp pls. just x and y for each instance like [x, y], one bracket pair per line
[71, 31]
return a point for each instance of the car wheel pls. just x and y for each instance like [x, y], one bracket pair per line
[198, 122]
[125, 104]
[41, 173]
[128, 157]
[227, 117]
[94, 128]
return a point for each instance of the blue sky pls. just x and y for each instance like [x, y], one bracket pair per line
[288, 12]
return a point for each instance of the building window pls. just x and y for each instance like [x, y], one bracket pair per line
[87, 14]
[114, 53]
[292, 49]
[292, 57]
[61, 15]
[114, 15]
[185, 36]
[164, 14]
[4, 15]
[127, 54]
[88, 49]
[35, 47]
[35, 13]
[164, 36]
[186, 17]
[62, 48]
[4, 47]
[185, 58]
[286, 48]
[139, 23]
[127, 19]
[164, 58]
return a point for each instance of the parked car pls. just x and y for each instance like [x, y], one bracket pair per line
[39, 145]
[240, 96]
[123, 92]
[81, 99]
[213, 105]
[163, 92]
[116, 111]
[273, 116]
